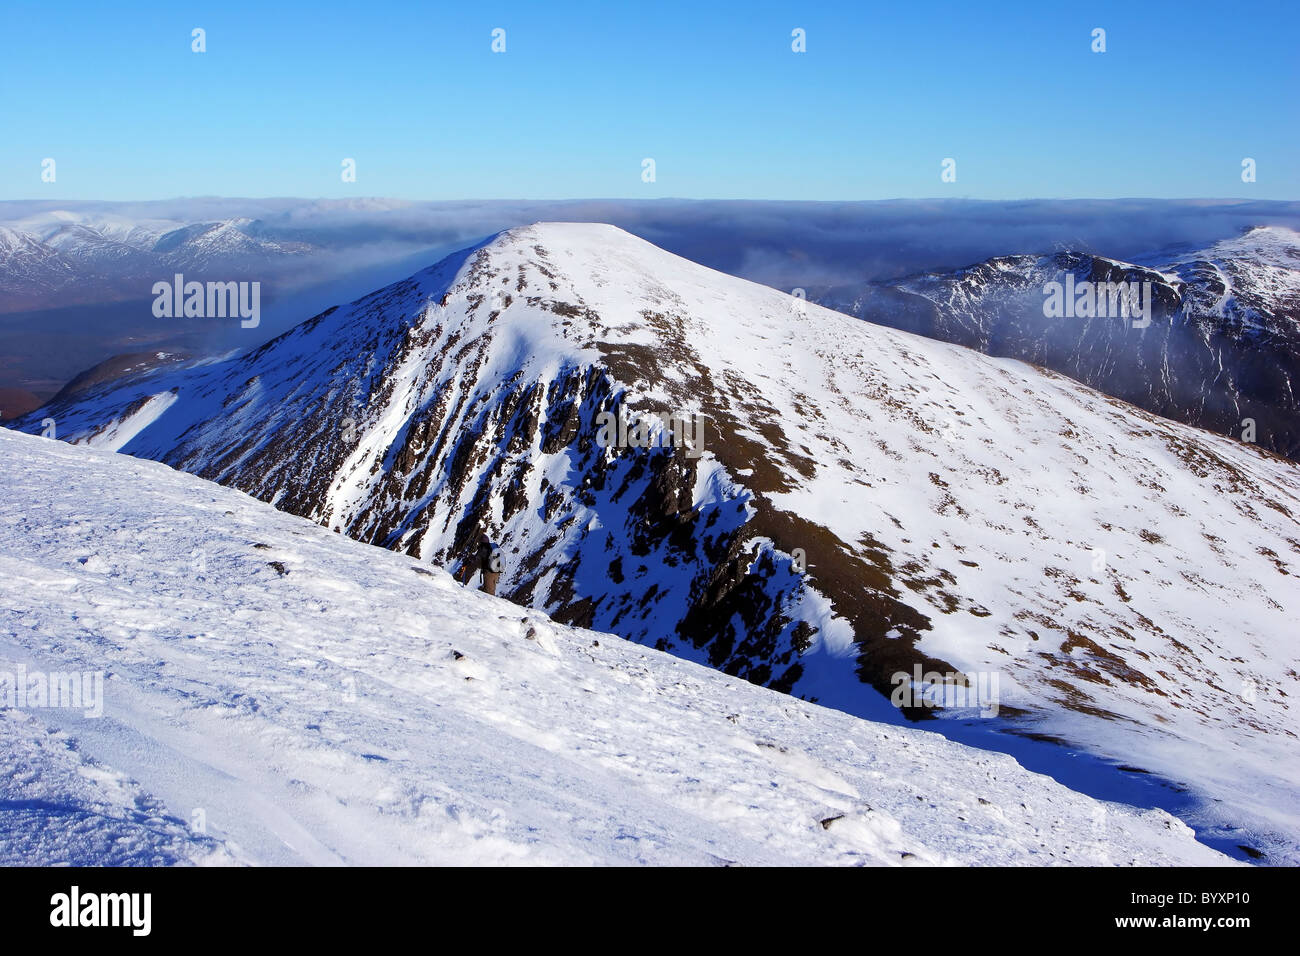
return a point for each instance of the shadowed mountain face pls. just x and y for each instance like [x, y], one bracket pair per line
[16, 402]
[1222, 349]
[806, 500]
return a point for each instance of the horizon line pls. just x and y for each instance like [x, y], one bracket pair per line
[666, 199]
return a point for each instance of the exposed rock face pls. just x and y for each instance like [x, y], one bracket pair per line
[1223, 345]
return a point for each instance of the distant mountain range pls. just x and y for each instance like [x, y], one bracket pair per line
[863, 502]
[54, 253]
[69, 259]
[1222, 350]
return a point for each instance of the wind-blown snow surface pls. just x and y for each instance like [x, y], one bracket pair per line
[311, 699]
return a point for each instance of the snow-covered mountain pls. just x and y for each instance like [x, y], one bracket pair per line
[218, 245]
[272, 693]
[29, 268]
[64, 258]
[1129, 581]
[1223, 344]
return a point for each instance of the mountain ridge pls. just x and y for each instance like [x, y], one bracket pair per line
[895, 463]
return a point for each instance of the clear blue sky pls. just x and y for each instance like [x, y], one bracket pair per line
[711, 91]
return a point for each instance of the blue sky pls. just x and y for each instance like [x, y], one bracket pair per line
[711, 91]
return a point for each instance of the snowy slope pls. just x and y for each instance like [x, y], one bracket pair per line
[1130, 581]
[304, 698]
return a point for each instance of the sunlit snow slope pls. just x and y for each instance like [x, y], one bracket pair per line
[276, 693]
